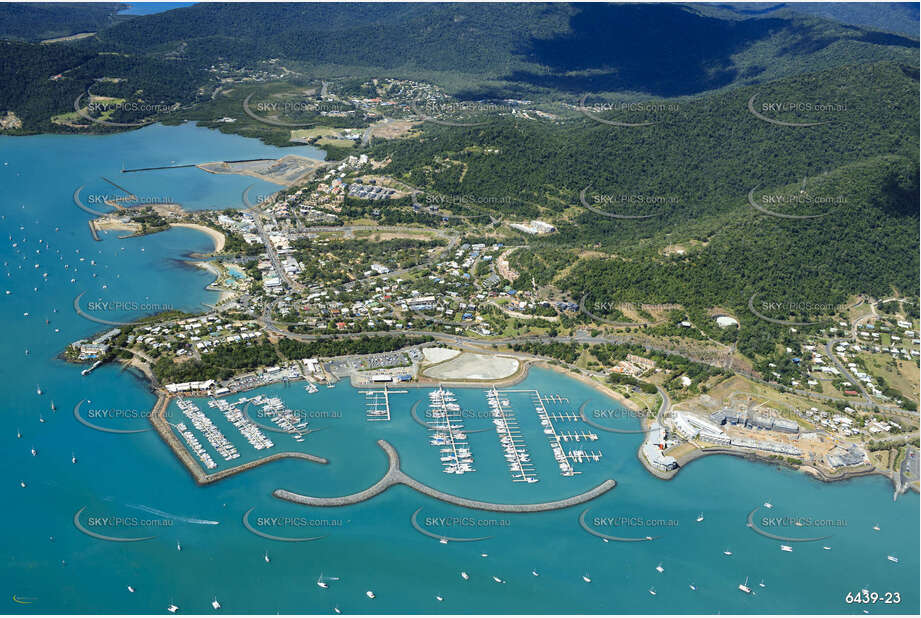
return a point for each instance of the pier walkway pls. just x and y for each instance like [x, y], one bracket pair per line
[395, 476]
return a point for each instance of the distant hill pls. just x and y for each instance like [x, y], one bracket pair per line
[901, 17]
[39, 21]
[480, 51]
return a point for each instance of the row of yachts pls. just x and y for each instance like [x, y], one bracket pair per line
[448, 432]
[206, 426]
[247, 428]
[287, 420]
[515, 451]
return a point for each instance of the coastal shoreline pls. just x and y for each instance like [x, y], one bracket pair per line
[218, 238]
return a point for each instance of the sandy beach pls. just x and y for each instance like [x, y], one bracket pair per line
[216, 236]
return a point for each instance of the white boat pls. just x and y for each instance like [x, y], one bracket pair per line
[535, 574]
[744, 587]
[443, 541]
[22, 484]
[18, 434]
[215, 604]
[172, 608]
[464, 575]
[692, 586]
[130, 588]
[768, 505]
[38, 389]
[337, 610]
[826, 547]
[876, 527]
[178, 546]
[439, 598]
[786, 548]
[700, 517]
[483, 555]
[34, 452]
[369, 594]
[652, 591]
[892, 559]
[727, 553]
[497, 580]
[73, 458]
[660, 569]
[267, 557]
[586, 579]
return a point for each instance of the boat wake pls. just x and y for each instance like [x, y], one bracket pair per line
[188, 520]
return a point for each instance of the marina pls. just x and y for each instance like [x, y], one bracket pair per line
[513, 444]
[448, 432]
[202, 423]
[247, 429]
[564, 458]
[275, 409]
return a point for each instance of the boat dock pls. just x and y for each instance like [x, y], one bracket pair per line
[448, 432]
[275, 409]
[202, 423]
[377, 403]
[247, 429]
[511, 438]
[556, 438]
[565, 417]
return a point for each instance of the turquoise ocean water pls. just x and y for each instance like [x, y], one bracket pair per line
[51, 566]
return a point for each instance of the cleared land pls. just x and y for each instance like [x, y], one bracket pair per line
[467, 366]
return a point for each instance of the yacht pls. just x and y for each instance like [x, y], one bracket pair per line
[215, 604]
[130, 588]
[439, 598]
[499, 581]
[267, 557]
[34, 452]
[786, 548]
[535, 574]
[744, 587]
[761, 583]
[22, 484]
[464, 575]
[700, 517]
[826, 547]
[178, 546]
[38, 390]
[876, 527]
[337, 610]
[369, 594]
[768, 505]
[18, 433]
[892, 559]
[73, 458]
[652, 591]
[172, 608]
[586, 579]
[660, 569]
[692, 586]
[727, 553]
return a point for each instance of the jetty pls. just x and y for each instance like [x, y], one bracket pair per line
[377, 403]
[511, 438]
[395, 476]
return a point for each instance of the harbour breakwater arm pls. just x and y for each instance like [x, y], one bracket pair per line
[395, 476]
